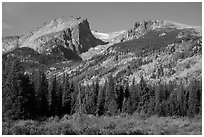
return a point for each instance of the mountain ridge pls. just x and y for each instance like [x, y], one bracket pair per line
[62, 32]
[153, 49]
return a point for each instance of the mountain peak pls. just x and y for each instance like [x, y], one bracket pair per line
[163, 23]
[71, 34]
[148, 24]
[65, 20]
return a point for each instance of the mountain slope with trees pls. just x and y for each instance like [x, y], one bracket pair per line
[152, 69]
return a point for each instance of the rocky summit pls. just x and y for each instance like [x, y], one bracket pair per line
[65, 37]
[156, 50]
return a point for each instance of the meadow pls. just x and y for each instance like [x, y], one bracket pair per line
[123, 124]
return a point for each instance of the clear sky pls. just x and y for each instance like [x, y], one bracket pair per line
[20, 18]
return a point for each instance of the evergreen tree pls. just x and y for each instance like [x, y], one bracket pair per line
[199, 95]
[74, 95]
[198, 90]
[109, 94]
[91, 95]
[181, 101]
[143, 96]
[134, 95]
[87, 101]
[112, 108]
[158, 96]
[185, 102]
[41, 93]
[95, 96]
[27, 92]
[110, 101]
[172, 104]
[193, 99]
[119, 96]
[152, 103]
[59, 101]
[12, 94]
[127, 106]
[101, 101]
[17, 92]
[79, 105]
[66, 96]
[53, 97]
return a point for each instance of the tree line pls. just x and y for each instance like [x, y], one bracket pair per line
[32, 96]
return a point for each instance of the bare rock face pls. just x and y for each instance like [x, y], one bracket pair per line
[139, 29]
[67, 34]
[9, 43]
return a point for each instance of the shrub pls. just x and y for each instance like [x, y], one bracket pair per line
[67, 130]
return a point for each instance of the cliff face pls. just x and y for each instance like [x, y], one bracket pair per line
[65, 35]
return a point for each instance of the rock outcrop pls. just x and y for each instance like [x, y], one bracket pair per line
[9, 43]
[139, 29]
[70, 34]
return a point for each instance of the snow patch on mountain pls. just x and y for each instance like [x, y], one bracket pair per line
[107, 36]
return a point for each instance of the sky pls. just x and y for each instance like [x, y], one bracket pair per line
[20, 18]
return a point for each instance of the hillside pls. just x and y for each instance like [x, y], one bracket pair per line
[157, 52]
[154, 49]
[64, 78]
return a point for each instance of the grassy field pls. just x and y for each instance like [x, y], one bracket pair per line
[122, 124]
